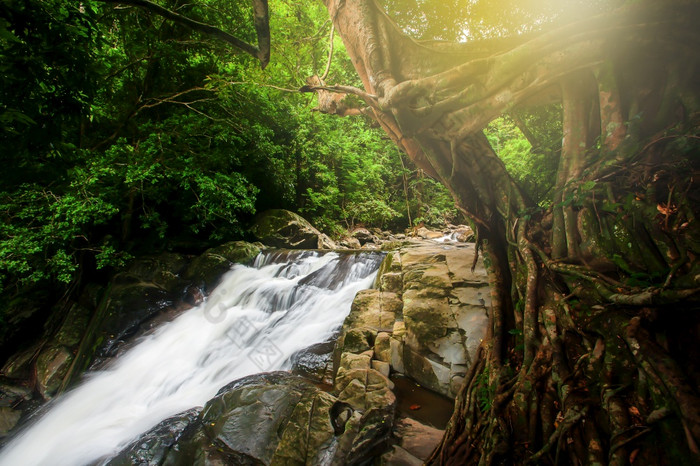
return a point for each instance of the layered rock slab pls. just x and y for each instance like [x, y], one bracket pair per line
[425, 318]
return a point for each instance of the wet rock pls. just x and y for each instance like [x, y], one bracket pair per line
[315, 362]
[273, 418]
[20, 364]
[390, 264]
[370, 393]
[8, 419]
[373, 309]
[153, 447]
[284, 229]
[351, 361]
[127, 307]
[463, 234]
[247, 419]
[357, 340]
[416, 438]
[392, 282]
[13, 395]
[206, 270]
[52, 366]
[399, 457]
[426, 319]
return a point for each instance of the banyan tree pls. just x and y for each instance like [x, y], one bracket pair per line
[592, 355]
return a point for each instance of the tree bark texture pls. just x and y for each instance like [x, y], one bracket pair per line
[592, 355]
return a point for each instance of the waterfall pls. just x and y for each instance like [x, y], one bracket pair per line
[254, 321]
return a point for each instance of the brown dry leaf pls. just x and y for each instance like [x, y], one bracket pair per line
[633, 455]
[665, 209]
[633, 411]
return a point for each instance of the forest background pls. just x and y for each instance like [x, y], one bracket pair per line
[123, 133]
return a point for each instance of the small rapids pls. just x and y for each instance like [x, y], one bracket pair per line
[254, 321]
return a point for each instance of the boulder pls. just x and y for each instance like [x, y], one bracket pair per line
[399, 457]
[445, 314]
[274, 418]
[350, 242]
[425, 233]
[315, 362]
[363, 236]
[73, 327]
[205, 271]
[463, 234]
[284, 229]
[416, 438]
[153, 446]
[382, 347]
[19, 365]
[163, 269]
[52, 366]
[426, 318]
[124, 309]
[8, 419]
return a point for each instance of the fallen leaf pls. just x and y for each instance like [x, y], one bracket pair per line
[633, 455]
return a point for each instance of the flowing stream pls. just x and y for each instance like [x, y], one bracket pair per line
[254, 321]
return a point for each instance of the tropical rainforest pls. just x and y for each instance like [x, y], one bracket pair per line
[566, 133]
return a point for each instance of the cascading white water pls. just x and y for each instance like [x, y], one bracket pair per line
[253, 322]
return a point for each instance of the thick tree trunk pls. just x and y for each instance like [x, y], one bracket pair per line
[592, 352]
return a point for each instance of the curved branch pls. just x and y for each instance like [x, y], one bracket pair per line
[330, 54]
[262, 27]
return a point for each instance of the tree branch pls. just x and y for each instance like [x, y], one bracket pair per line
[262, 27]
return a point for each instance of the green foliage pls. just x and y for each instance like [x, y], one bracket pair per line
[485, 390]
[129, 133]
[431, 203]
[42, 233]
[534, 168]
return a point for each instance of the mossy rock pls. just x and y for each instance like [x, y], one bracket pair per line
[163, 270]
[358, 340]
[73, 327]
[52, 365]
[284, 229]
[206, 270]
